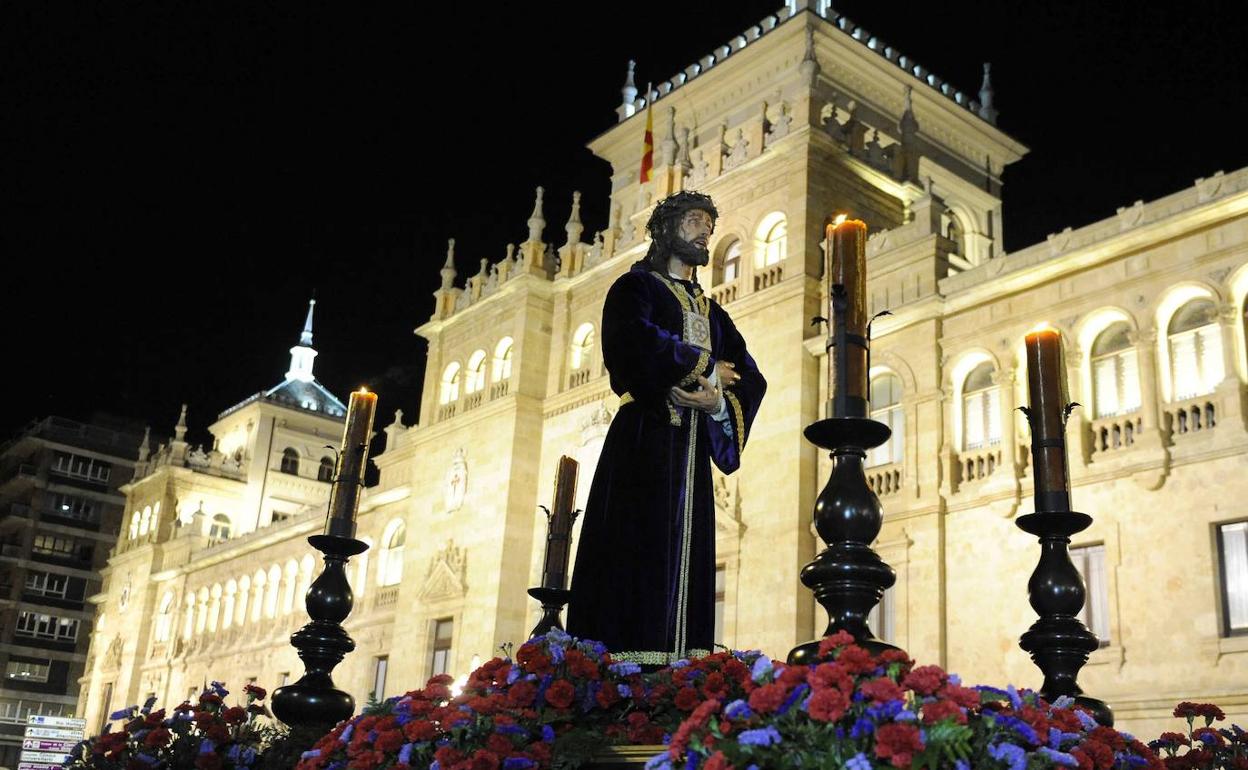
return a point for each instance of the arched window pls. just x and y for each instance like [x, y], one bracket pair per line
[981, 409]
[886, 408]
[730, 263]
[1115, 376]
[952, 229]
[582, 346]
[164, 617]
[390, 565]
[156, 516]
[220, 528]
[271, 586]
[257, 595]
[773, 241]
[502, 359]
[1195, 349]
[290, 461]
[450, 384]
[227, 604]
[288, 587]
[325, 471]
[134, 525]
[476, 372]
[244, 595]
[145, 522]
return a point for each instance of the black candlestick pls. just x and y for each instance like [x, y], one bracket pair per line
[322, 643]
[848, 577]
[553, 600]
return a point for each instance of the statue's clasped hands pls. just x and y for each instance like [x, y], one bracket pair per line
[707, 397]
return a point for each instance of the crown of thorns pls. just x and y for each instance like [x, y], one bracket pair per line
[675, 206]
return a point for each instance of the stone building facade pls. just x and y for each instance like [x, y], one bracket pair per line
[803, 116]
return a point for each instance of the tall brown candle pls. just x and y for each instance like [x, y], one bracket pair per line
[559, 531]
[1046, 392]
[848, 271]
[344, 498]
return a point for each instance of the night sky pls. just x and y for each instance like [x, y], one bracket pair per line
[179, 177]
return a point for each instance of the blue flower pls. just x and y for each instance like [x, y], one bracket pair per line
[905, 715]
[1059, 757]
[346, 734]
[659, 762]
[1015, 700]
[794, 697]
[511, 729]
[765, 736]
[206, 746]
[762, 667]
[738, 709]
[624, 668]
[961, 764]
[954, 679]
[219, 689]
[513, 674]
[147, 705]
[313, 754]
[556, 654]
[1063, 702]
[1013, 756]
[122, 713]
[405, 753]
[679, 663]
[1086, 720]
[692, 762]
[862, 728]
[146, 759]
[548, 733]
[624, 690]
[518, 763]
[858, 762]
[1021, 728]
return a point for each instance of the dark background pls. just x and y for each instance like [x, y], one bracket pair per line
[179, 177]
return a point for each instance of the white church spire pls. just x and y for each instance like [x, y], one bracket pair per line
[303, 354]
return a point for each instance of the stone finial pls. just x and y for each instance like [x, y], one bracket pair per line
[809, 66]
[682, 156]
[179, 430]
[145, 446]
[986, 110]
[574, 228]
[511, 252]
[667, 149]
[485, 268]
[448, 269]
[537, 222]
[628, 92]
[908, 124]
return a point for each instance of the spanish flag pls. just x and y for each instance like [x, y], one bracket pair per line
[647, 144]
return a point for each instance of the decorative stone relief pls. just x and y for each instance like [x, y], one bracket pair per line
[1059, 242]
[456, 482]
[739, 153]
[701, 171]
[446, 576]
[595, 423]
[1130, 216]
[780, 126]
[112, 656]
[727, 506]
[1208, 188]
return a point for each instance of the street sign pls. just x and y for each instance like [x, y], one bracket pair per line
[48, 741]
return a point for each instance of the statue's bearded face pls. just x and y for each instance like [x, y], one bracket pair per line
[693, 232]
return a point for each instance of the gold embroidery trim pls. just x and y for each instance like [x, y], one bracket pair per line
[700, 304]
[704, 360]
[656, 657]
[738, 420]
[673, 416]
[627, 398]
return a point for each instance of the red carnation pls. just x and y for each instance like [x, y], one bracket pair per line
[607, 696]
[715, 686]
[963, 696]
[686, 699]
[447, 756]
[484, 760]
[831, 643]
[531, 657]
[1101, 755]
[234, 715]
[882, 690]
[209, 697]
[828, 704]
[856, 660]
[522, 693]
[580, 665]
[942, 709]
[717, 762]
[156, 738]
[419, 730]
[642, 731]
[256, 692]
[560, 694]
[498, 743]
[924, 680]
[389, 740]
[830, 675]
[209, 761]
[767, 698]
[898, 743]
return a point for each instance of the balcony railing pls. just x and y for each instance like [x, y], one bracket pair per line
[768, 277]
[724, 293]
[1186, 418]
[473, 400]
[1110, 434]
[885, 479]
[446, 412]
[500, 389]
[978, 464]
[578, 377]
[386, 597]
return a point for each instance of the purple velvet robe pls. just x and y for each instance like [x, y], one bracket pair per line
[644, 580]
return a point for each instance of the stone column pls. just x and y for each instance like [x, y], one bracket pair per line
[1230, 391]
[1004, 379]
[1076, 429]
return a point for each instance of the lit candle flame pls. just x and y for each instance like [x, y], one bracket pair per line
[363, 389]
[1043, 326]
[839, 219]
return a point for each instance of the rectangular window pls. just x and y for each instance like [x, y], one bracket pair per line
[74, 507]
[47, 584]
[80, 467]
[380, 664]
[440, 659]
[40, 626]
[28, 670]
[1090, 561]
[53, 545]
[721, 582]
[1233, 576]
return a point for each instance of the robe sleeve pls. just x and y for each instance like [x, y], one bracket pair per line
[645, 359]
[743, 398]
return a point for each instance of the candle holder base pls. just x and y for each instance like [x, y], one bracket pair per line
[848, 578]
[1058, 642]
[553, 601]
[322, 643]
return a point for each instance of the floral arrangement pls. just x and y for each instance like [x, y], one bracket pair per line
[208, 735]
[1203, 747]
